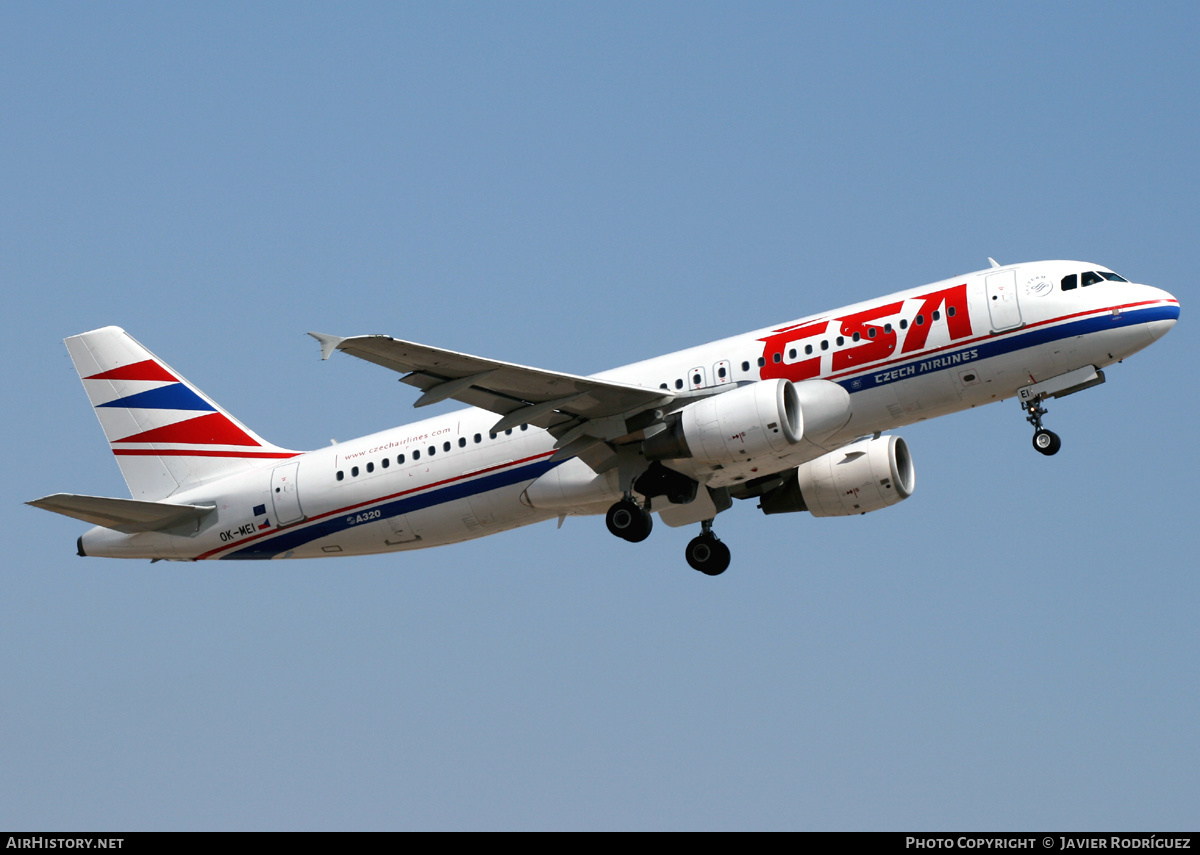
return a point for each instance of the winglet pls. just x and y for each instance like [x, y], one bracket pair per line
[329, 343]
[991, 261]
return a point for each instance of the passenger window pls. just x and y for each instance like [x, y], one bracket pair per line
[432, 450]
[354, 472]
[792, 353]
[416, 454]
[937, 316]
[870, 332]
[341, 475]
[524, 427]
[462, 442]
[824, 344]
[903, 323]
[508, 432]
[840, 341]
[777, 358]
[695, 379]
[745, 367]
[856, 337]
[678, 384]
[478, 438]
[920, 320]
[663, 386]
[887, 328]
[1070, 282]
[370, 467]
[491, 435]
[720, 373]
[808, 350]
[446, 446]
[949, 311]
[761, 362]
[385, 463]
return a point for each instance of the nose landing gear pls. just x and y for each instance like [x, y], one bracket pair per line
[1044, 441]
[707, 553]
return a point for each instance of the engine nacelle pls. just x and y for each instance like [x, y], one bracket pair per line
[864, 476]
[763, 418]
[744, 423]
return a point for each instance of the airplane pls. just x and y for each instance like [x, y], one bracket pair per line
[792, 415]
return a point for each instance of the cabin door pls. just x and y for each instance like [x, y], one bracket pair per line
[285, 494]
[1003, 305]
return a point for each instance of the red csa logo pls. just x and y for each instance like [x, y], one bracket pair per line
[794, 353]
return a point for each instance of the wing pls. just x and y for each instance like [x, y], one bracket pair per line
[569, 406]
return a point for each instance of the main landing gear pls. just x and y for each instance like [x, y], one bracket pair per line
[629, 520]
[1044, 441]
[706, 553]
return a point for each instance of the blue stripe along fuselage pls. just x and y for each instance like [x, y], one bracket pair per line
[292, 538]
[1004, 343]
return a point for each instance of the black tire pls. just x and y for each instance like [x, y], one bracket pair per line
[708, 555]
[1046, 442]
[628, 521]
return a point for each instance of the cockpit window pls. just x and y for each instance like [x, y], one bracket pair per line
[1112, 277]
[1089, 278]
[1069, 283]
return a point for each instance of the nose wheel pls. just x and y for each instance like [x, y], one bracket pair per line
[707, 553]
[1044, 441]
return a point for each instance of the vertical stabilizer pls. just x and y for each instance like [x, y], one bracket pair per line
[166, 434]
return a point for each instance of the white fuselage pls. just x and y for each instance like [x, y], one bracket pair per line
[926, 352]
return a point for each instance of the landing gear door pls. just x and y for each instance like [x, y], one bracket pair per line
[285, 494]
[1003, 306]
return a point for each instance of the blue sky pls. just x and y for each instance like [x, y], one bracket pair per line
[576, 187]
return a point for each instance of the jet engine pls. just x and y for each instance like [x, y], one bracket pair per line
[763, 418]
[864, 476]
[741, 424]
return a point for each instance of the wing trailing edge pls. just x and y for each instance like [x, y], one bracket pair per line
[517, 393]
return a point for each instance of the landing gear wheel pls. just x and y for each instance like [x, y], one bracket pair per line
[707, 554]
[627, 520]
[1047, 442]
[1044, 441]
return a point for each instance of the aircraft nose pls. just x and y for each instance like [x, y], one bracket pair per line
[1166, 315]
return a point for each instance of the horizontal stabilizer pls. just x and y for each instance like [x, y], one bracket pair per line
[124, 515]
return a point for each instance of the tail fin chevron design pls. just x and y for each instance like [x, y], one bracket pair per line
[166, 434]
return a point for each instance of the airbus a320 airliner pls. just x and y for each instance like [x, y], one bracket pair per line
[792, 416]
